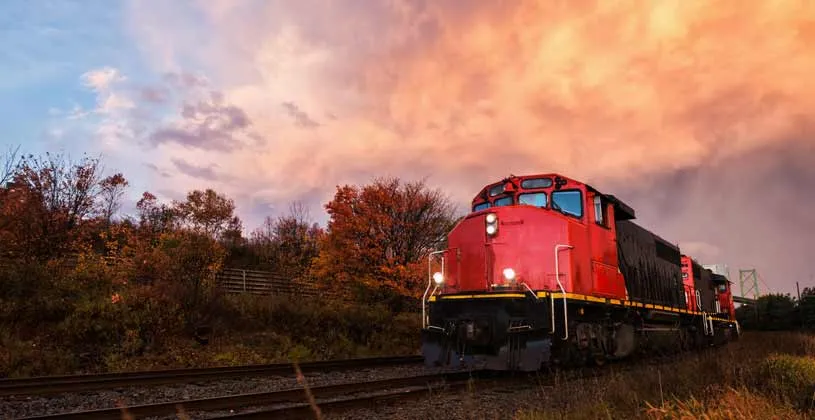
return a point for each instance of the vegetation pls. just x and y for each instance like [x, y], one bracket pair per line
[768, 375]
[777, 312]
[84, 289]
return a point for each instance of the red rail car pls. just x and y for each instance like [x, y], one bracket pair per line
[546, 269]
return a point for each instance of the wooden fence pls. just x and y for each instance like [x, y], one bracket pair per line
[236, 280]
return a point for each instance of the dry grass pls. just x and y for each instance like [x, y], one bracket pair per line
[764, 375]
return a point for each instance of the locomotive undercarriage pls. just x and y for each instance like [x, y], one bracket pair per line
[500, 334]
[516, 334]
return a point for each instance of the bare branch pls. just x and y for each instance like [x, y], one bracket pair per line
[9, 164]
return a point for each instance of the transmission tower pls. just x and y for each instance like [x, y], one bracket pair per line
[749, 278]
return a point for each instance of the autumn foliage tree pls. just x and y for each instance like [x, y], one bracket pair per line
[209, 213]
[379, 234]
[111, 191]
[289, 243]
[47, 203]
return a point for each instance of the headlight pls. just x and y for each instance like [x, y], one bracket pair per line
[509, 274]
[438, 278]
[492, 224]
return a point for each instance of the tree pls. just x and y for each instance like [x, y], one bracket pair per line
[45, 203]
[155, 218]
[64, 187]
[9, 165]
[112, 189]
[209, 213]
[379, 234]
[806, 308]
[288, 243]
[774, 312]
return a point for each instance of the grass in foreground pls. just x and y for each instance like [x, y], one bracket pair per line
[764, 375]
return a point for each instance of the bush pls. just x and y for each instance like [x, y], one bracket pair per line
[790, 378]
[325, 329]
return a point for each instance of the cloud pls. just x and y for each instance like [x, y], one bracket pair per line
[641, 87]
[101, 79]
[625, 93]
[184, 80]
[153, 94]
[195, 171]
[301, 118]
[207, 124]
[113, 107]
[747, 212]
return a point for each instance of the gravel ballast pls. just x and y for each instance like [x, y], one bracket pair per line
[38, 405]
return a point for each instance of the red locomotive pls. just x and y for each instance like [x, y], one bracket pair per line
[546, 269]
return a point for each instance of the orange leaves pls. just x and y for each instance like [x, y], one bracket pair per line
[208, 212]
[48, 205]
[379, 233]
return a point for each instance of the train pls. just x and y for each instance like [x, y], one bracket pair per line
[546, 270]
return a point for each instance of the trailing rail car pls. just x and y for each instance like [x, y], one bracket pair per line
[549, 270]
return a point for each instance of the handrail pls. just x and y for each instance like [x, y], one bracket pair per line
[707, 328]
[534, 295]
[558, 247]
[430, 283]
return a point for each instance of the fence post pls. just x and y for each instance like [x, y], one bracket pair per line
[244, 280]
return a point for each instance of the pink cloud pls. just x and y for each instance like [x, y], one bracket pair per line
[615, 93]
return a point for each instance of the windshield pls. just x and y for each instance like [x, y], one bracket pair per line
[481, 206]
[503, 201]
[568, 202]
[533, 199]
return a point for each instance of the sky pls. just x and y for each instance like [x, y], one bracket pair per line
[699, 115]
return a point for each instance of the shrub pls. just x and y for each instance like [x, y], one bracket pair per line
[790, 378]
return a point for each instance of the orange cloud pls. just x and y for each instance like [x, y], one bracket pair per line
[601, 89]
[466, 92]
[594, 89]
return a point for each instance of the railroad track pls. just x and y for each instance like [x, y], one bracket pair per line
[290, 403]
[77, 383]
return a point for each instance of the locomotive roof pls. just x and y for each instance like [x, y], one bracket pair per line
[622, 211]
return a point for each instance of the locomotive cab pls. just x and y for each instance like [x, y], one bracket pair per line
[724, 297]
[523, 230]
[526, 239]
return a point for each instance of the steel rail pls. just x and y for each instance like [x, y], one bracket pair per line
[76, 383]
[261, 399]
[369, 400]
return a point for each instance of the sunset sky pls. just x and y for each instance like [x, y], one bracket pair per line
[700, 115]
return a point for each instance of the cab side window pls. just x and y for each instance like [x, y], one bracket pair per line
[600, 212]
